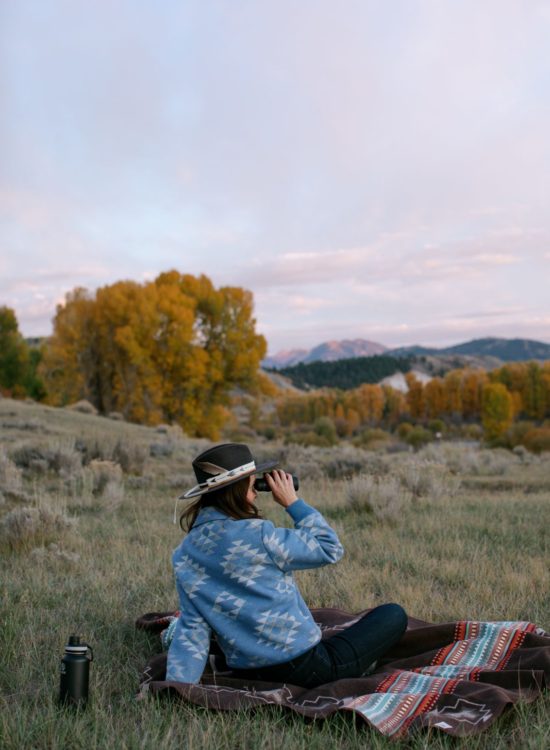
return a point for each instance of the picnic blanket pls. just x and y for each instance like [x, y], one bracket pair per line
[457, 677]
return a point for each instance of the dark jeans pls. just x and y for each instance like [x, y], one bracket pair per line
[349, 653]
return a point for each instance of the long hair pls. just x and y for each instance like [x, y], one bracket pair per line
[229, 500]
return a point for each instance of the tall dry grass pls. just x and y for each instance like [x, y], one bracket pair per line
[465, 544]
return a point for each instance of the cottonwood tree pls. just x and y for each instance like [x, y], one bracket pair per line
[497, 410]
[168, 349]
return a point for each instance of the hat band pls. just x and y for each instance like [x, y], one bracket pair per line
[231, 474]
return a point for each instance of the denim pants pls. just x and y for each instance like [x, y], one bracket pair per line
[349, 653]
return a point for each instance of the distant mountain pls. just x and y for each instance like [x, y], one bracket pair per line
[509, 350]
[329, 351]
[413, 351]
[506, 350]
[286, 358]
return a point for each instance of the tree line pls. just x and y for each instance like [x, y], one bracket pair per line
[173, 350]
[345, 374]
[519, 390]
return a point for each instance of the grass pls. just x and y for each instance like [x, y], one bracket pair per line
[479, 551]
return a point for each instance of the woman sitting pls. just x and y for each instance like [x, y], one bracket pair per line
[234, 578]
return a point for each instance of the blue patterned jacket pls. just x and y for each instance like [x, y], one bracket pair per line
[234, 577]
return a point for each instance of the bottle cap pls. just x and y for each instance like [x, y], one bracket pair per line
[74, 646]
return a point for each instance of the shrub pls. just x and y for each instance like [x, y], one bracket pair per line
[307, 439]
[372, 438]
[403, 430]
[385, 498]
[428, 480]
[495, 462]
[537, 440]
[269, 432]
[107, 475]
[300, 460]
[64, 460]
[161, 450]
[11, 477]
[23, 526]
[418, 436]
[326, 429]
[131, 456]
[471, 431]
[466, 459]
[343, 466]
[38, 466]
[26, 454]
[436, 425]
[83, 406]
[515, 435]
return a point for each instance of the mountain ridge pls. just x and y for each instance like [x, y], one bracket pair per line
[507, 350]
[327, 351]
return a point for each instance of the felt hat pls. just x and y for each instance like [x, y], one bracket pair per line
[223, 465]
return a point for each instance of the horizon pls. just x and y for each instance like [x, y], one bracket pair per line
[380, 343]
[377, 172]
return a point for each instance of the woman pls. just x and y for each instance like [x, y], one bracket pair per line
[234, 577]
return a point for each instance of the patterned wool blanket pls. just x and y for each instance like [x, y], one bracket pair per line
[458, 677]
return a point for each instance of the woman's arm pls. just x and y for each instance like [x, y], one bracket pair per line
[312, 543]
[190, 645]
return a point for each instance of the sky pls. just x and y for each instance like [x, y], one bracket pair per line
[374, 169]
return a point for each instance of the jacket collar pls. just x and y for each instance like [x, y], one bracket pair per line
[206, 515]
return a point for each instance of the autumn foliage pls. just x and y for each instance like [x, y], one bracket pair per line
[495, 399]
[165, 350]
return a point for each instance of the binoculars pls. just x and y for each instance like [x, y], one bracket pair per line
[261, 485]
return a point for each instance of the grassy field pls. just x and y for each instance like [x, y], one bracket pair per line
[451, 532]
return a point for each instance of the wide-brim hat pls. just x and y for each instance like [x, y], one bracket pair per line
[223, 465]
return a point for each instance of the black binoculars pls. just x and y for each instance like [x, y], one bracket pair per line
[261, 485]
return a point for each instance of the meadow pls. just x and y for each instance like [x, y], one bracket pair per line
[453, 531]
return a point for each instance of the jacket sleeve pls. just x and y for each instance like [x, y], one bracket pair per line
[190, 645]
[311, 544]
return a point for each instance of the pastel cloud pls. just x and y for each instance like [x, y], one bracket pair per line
[352, 169]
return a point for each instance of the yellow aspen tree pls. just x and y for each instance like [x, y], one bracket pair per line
[435, 398]
[370, 403]
[353, 420]
[395, 404]
[127, 315]
[340, 420]
[472, 387]
[453, 392]
[415, 396]
[170, 349]
[71, 358]
[497, 410]
[533, 395]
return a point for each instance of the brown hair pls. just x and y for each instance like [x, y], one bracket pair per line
[229, 500]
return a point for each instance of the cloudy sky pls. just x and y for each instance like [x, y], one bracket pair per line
[368, 168]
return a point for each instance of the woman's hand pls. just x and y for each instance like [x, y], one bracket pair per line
[282, 487]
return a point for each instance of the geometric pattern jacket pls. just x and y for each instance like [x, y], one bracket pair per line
[234, 577]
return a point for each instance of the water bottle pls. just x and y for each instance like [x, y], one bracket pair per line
[75, 673]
